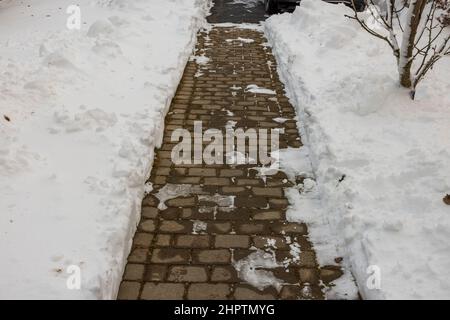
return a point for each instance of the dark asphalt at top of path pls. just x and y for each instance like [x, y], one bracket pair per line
[230, 11]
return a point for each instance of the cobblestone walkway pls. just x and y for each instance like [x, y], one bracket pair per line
[199, 247]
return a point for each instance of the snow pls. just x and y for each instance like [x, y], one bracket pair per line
[173, 191]
[244, 26]
[86, 110]
[199, 226]
[244, 40]
[201, 59]
[306, 207]
[253, 88]
[380, 160]
[280, 120]
[223, 201]
[253, 270]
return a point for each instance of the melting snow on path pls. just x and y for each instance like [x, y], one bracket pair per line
[253, 88]
[172, 191]
[252, 269]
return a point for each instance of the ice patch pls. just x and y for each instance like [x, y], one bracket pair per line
[251, 270]
[172, 191]
[248, 26]
[219, 199]
[294, 250]
[199, 226]
[280, 120]
[244, 40]
[201, 59]
[271, 243]
[295, 162]
[253, 88]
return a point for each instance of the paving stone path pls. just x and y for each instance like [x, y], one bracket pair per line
[199, 247]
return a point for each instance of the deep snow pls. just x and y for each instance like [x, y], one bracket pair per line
[86, 110]
[381, 161]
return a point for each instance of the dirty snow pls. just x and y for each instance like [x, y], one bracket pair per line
[280, 120]
[199, 226]
[201, 59]
[224, 201]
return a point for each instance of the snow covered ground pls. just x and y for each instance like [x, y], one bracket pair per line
[80, 114]
[381, 161]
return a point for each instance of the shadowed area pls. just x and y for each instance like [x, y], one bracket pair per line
[237, 11]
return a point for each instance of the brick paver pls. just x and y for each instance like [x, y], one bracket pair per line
[192, 248]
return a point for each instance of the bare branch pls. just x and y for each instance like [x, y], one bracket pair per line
[428, 65]
[422, 44]
[372, 32]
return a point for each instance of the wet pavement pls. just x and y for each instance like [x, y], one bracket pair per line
[237, 11]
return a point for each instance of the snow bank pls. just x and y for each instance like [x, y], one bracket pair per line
[381, 161]
[80, 114]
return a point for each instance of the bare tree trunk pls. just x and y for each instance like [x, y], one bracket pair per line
[416, 8]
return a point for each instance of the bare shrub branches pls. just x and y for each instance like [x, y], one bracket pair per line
[417, 31]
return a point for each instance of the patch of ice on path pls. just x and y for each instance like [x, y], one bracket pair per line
[199, 226]
[245, 40]
[201, 59]
[244, 26]
[219, 199]
[172, 191]
[253, 88]
[280, 120]
[249, 270]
